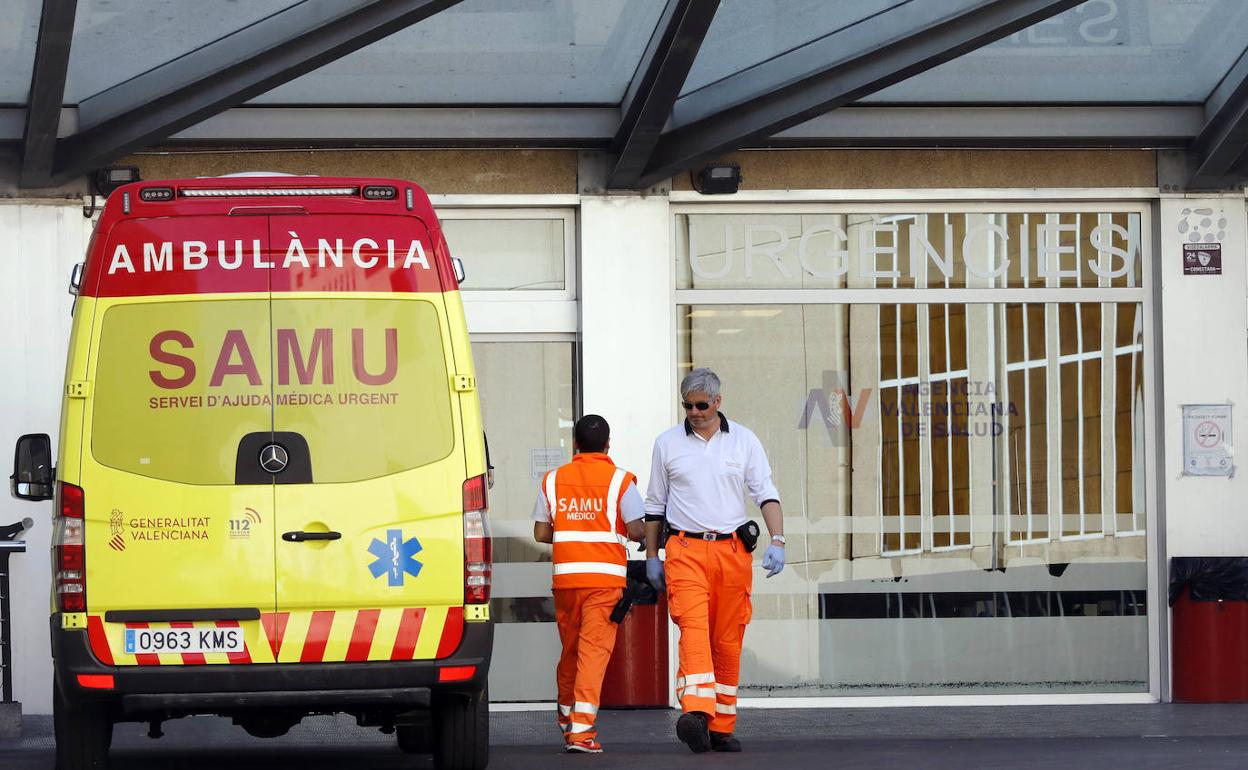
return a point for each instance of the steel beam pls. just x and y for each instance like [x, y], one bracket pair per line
[1221, 147]
[866, 125]
[228, 72]
[1093, 125]
[790, 89]
[656, 84]
[47, 90]
[466, 126]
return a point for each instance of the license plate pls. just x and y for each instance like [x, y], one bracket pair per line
[146, 641]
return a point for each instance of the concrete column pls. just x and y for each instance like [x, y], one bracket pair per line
[1205, 348]
[628, 337]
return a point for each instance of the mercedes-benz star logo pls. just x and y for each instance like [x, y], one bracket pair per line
[273, 458]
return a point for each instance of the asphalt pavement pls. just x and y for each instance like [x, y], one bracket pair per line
[1024, 737]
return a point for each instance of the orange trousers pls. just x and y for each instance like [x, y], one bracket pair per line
[588, 636]
[708, 594]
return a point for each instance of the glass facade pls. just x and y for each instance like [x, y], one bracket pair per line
[963, 481]
[510, 254]
[527, 405]
[947, 250]
[517, 261]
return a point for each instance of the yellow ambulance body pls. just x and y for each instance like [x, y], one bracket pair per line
[271, 479]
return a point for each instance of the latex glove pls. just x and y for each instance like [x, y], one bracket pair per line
[773, 560]
[654, 573]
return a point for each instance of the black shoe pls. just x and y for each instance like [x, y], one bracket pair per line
[724, 742]
[691, 728]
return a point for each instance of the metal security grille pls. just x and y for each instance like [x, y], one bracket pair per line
[1052, 391]
[8, 546]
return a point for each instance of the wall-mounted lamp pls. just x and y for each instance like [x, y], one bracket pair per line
[105, 180]
[718, 179]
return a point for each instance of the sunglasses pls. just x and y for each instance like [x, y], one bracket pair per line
[701, 406]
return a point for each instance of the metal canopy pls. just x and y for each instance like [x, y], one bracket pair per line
[47, 89]
[1221, 147]
[658, 81]
[661, 85]
[811, 80]
[228, 72]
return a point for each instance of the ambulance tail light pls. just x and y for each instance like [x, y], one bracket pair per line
[478, 548]
[68, 542]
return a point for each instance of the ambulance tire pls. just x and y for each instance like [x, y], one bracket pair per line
[84, 732]
[461, 731]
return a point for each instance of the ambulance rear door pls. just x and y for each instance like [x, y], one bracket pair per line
[369, 515]
[179, 522]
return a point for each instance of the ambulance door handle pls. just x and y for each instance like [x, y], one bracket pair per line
[299, 536]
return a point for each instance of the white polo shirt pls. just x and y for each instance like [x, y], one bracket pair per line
[700, 485]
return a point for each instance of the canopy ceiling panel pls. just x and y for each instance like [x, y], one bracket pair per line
[18, 34]
[1104, 51]
[556, 52]
[115, 40]
[747, 32]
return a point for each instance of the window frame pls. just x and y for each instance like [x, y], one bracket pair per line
[1140, 201]
[566, 215]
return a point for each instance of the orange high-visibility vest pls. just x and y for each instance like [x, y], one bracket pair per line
[584, 500]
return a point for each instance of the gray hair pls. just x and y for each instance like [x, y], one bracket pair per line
[700, 380]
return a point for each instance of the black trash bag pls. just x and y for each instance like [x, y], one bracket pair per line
[637, 590]
[639, 587]
[1209, 578]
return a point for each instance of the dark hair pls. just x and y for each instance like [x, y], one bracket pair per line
[591, 433]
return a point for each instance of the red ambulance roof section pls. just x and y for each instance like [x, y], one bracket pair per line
[257, 243]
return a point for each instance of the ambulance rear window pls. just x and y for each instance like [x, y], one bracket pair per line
[156, 411]
[179, 383]
[388, 408]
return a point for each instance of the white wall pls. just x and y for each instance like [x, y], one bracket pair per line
[1204, 325]
[628, 341]
[39, 243]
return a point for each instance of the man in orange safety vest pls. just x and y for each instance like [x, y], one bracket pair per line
[586, 509]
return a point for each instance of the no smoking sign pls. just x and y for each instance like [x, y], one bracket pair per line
[1207, 447]
[1208, 434]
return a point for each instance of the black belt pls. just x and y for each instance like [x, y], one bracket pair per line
[703, 535]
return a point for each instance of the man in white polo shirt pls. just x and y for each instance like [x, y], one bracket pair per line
[699, 474]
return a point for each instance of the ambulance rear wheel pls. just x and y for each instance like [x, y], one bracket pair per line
[461, 731]
[84, 731]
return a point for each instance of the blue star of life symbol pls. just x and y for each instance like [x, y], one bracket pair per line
[395, 557]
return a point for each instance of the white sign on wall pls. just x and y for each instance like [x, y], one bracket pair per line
[1207, 446]
[544, 459]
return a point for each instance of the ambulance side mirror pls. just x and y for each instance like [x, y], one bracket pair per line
[75, 279]
[458, 265]
[75, 285]
[33, 474]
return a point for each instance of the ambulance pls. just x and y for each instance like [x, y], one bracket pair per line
[270, 485]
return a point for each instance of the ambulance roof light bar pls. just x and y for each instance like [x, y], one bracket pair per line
[266, 192]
